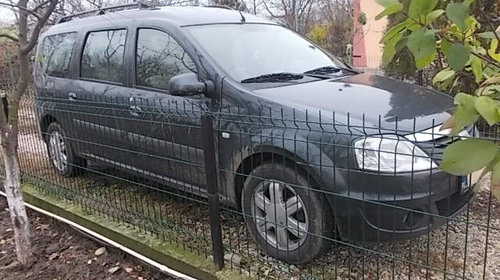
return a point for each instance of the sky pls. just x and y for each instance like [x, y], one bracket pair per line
[6, 15]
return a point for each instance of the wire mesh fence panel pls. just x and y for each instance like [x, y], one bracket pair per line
[112, 180]
[303, 195]
[349, 196]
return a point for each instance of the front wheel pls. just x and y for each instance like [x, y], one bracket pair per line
[61, 155]
[285, 215]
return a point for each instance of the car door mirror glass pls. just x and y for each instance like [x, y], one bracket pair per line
[186, 84]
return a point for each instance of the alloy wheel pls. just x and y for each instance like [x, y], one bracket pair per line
[57, 149]
[280, 215]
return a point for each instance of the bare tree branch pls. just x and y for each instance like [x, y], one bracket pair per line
[39, 6]
[490, 23]
[10, 37]
[38, 27]
[20, 8]
[269, 10]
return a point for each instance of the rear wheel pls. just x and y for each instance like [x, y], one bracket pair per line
[287, 218]
[61, 155]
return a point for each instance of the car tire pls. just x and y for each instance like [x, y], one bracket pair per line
[61, 155]
[301, 234]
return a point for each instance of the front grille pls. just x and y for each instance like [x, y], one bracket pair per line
[433, 141]
[435, 148]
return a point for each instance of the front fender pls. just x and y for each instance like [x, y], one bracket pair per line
[290, 145]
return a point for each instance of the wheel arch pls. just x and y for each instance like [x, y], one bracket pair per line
[268, 154]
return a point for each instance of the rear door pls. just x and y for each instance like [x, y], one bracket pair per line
[101, 83]
[53, 79]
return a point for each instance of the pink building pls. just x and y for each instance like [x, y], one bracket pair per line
[367, 51]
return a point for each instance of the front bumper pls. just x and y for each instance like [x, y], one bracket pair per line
[428, 202]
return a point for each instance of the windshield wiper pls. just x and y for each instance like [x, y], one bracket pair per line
[327, 70]
[274, 78]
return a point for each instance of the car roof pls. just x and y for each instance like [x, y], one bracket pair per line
[180, 16]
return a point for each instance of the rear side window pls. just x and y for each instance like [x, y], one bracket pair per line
[102, 57]
[56, 54]
[158, 58]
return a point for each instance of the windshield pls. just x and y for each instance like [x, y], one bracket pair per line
[245, 51]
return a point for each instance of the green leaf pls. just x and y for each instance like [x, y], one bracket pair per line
[401, 44]
[432, 16]
[458, 13]
[443, 75]
[466, 156]
[464, 99]
[457, 56]
[398, 28]
[492, 50]
[465, 112]
[488, 109]
[476, 65]
[389, 10]
[471, 24]
[419, 9]
[422, 45]
[468, 2]
[386, 3]
[464, 117]
[411, 24]
[390, 49]
[487, 35]
[445, 45]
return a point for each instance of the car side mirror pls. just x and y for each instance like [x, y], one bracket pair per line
[186, 84]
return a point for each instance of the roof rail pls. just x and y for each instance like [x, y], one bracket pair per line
[101, 11]
[220, 6]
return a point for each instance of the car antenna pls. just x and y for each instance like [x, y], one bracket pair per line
[243, 19]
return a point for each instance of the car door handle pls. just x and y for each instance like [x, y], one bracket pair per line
[135, 110]
[72, 96]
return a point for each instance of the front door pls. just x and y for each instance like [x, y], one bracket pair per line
[163, 131]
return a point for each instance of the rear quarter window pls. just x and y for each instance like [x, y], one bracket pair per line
[57, 51]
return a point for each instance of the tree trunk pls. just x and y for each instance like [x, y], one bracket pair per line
[12, 185]
[9, 128]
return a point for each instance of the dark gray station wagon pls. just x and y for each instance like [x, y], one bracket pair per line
[106, 86]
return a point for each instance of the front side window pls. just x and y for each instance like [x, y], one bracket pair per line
[102, 57]
[158, 58]
[249, 50]
[56, 54]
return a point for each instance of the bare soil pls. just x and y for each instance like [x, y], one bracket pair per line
[63, 253]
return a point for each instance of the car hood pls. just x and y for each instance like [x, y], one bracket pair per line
[367, 98]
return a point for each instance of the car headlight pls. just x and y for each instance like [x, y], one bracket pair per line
[390, 153]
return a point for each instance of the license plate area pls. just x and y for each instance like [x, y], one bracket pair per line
[464, 185]
[466, 182]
